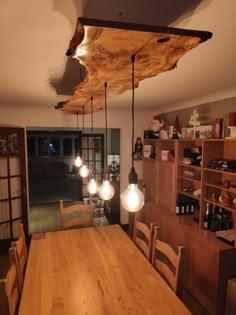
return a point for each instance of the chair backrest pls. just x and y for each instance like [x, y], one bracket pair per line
[143, 236]
[21, 251]
[12, 286]
[168, 263]
[14, 260]
[76, 215]
[21, 234]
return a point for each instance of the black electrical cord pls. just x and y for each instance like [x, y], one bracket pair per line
[105, 86]
[132, 107]
[78, 147]
[92, 134]
[83, 119]
[133, 177]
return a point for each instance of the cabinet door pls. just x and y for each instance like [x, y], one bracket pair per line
[13, 192]
[201, 274]
[166, 185]
[149, 178]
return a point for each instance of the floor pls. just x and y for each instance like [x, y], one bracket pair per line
[45, 217]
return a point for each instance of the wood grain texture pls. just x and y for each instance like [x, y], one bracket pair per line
[105, 49]
[95, 270]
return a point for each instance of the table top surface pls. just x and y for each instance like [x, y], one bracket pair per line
[93, 271]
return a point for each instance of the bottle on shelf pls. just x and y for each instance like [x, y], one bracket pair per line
[213, 219]
[217, 219]
[196, 211]
[183, 205]
[187, 205]
[206, 219]
[192, 206]
[178, 206]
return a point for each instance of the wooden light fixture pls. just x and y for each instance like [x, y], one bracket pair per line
[104, 49]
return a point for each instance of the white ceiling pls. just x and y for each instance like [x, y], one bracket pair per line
[35, 36]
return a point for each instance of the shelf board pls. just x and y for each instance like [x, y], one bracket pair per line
[188, 194]
[190, 166]
[190, 179]
[218, 171]
[220, 205]
[221, 187]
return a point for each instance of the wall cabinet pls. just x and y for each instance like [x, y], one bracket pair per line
[159, 173]
[210, 261]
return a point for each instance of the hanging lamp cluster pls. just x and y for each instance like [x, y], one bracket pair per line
[159, 49]
[106, 190]
[132, 199]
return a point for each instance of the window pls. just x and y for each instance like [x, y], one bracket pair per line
[93, 154]
[67, 146]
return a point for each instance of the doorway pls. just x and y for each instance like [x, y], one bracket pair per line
[52, 175]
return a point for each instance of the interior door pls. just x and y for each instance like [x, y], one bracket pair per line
[13, 189]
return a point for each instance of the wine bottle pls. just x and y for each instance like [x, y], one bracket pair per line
[187, 206]
[182, 208]
[206, 219]
[213, 221]
[178, 206]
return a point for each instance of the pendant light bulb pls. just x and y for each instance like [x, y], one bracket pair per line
[78, 161]
[132, 199]
[92, 186]
[106, 190]
[84, 171]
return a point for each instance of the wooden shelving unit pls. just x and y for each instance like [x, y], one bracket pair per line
[209, 261]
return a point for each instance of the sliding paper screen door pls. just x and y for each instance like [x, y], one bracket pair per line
[13, 192]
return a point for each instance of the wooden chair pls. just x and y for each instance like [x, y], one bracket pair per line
[168, 263]
[71, 215]
[21, 234]
[143, 236]
[21, 252]
[12, 285]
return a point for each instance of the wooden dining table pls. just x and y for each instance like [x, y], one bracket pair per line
[93, 271]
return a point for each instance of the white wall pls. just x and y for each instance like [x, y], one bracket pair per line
[22, 116]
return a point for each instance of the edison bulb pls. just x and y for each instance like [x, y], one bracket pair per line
[132, 199]
[78, 161]
[106, 190]
[84, 171]
[92, 186]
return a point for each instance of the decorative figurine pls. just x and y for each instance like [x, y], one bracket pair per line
[157, 125]
[194, 122]
[225, 198]
[177, 130]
